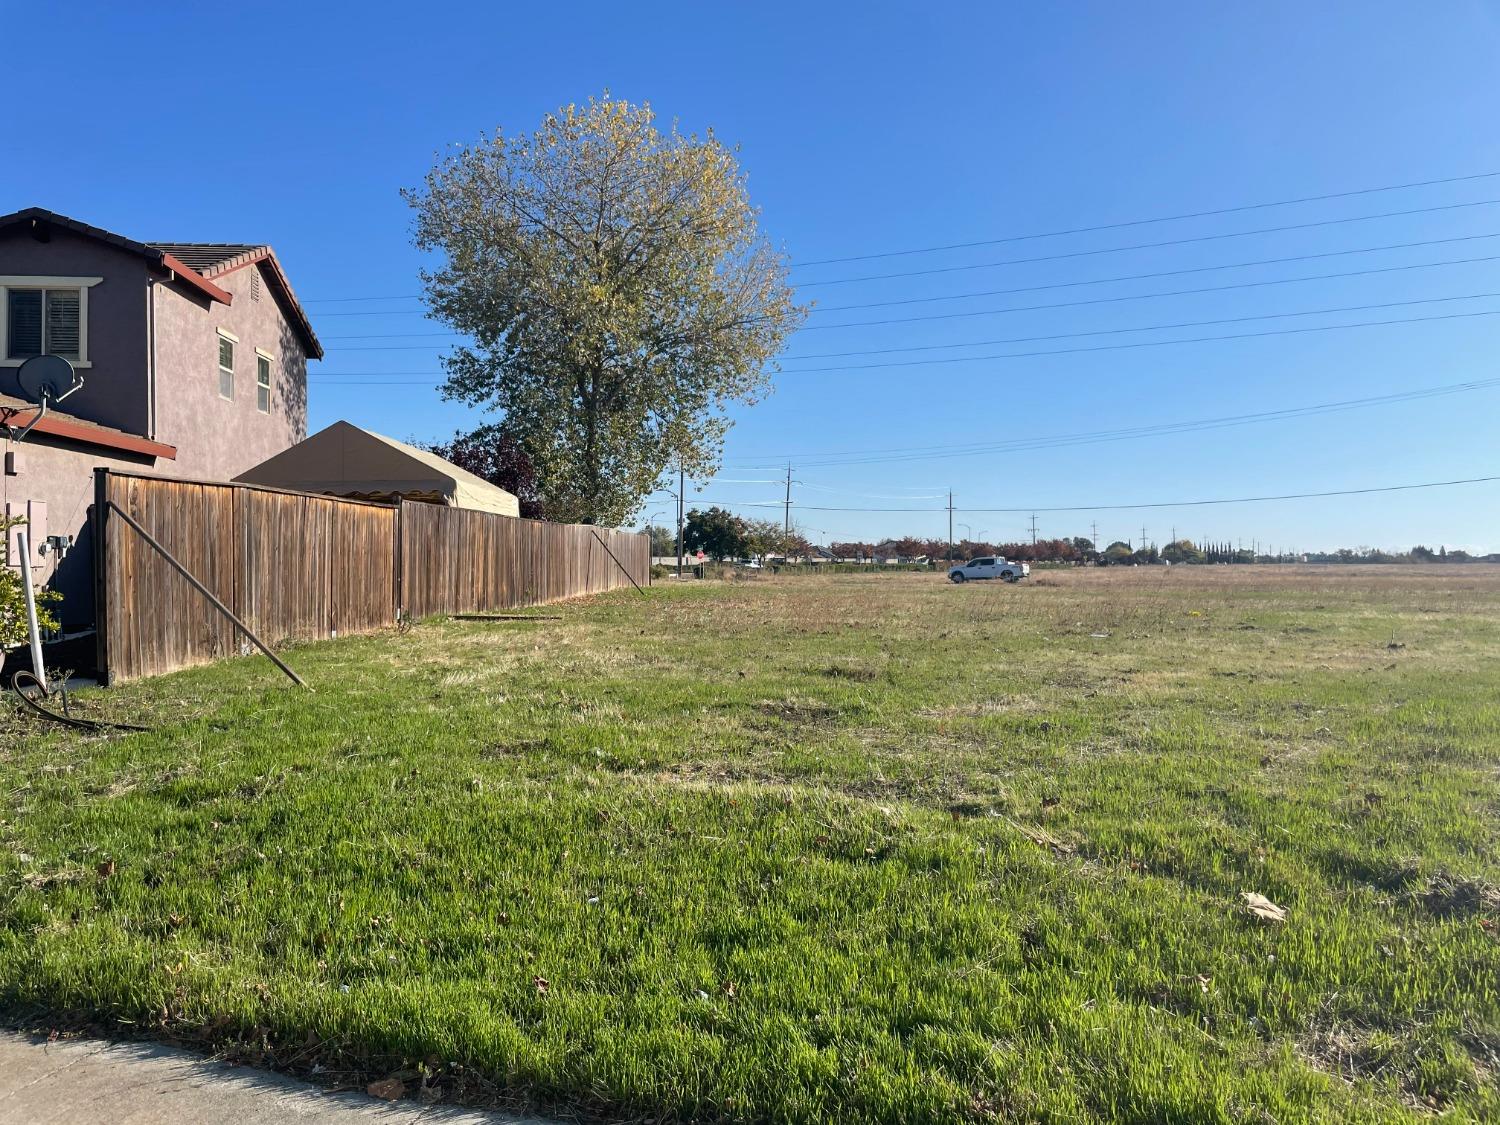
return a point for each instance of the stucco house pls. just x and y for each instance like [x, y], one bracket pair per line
[194, 364]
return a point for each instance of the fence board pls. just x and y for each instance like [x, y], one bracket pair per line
[295, 566]
[457, 561]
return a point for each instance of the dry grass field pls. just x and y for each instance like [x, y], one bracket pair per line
[863, 847]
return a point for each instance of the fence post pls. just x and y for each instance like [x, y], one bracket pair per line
[100, 521]
[399, 570]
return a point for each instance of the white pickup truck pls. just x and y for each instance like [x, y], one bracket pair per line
[989, 567]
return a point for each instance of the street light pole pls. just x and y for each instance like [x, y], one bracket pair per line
[950, 526]
[681, 487]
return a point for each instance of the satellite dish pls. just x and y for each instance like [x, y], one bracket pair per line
[43, 380]
[46, 379]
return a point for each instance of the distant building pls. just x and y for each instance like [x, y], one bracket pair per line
[889, 553]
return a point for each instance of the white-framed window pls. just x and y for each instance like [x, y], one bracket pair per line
[227, 341]
[262, 381]
[44, 316]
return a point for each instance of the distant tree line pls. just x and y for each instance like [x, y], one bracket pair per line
[720, 535]
[1083, 551]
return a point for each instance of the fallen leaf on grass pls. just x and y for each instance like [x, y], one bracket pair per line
[1262, 907]
[542, 985]
[388, 1088]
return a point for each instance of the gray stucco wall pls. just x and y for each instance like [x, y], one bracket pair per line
[114, 385]
[218, 438]
[61, 475]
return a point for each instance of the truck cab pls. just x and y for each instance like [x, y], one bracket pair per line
[990, 566]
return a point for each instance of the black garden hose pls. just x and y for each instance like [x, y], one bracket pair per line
[33, 701]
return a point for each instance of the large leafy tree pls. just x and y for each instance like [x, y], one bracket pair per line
[763, 537]
[618, 294]
[719, 534]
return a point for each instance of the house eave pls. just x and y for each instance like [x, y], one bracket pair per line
[67, 429]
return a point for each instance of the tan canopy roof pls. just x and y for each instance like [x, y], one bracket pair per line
[344, 460]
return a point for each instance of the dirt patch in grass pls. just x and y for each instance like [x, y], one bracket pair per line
[799, 712]
[1427, 1078]
[861, 673]
[1451, 896]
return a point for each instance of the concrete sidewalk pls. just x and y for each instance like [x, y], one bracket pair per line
[84, 1081]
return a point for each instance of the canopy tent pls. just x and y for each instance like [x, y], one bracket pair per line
[344, 460]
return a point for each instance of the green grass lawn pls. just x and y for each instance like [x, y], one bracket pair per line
[850, 848]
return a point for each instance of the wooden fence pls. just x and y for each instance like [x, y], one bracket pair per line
[457, 561]
[294, 567]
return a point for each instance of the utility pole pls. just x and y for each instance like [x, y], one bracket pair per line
[950, 526]
[1033, 529]
[786, 530]
[1143, 537]
[681, 488]
[1094, 527]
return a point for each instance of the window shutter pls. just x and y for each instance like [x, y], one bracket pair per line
[24, 324]
[62, 322]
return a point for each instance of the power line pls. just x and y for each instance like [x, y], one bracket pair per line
[349, 300]
[1143, 328]
[866, 495]
[1151, 245]
[1160, 219]
[1150, 343]
[1099, 281]
[395, 335]
[1134, 507]
[1104, 250]
[1055, 336]
[1044, 352]
[1241, 208]
[392, 348]
[942, 452]
[1088, 281]
[1251, 499]
[1176, 273]
[378, 312]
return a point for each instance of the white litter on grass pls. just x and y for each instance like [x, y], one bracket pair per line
[1262, 907]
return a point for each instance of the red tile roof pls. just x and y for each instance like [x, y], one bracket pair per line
[17, 412]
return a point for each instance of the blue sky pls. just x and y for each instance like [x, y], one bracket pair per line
[871, 128]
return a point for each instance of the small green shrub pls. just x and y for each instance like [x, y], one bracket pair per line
[13, 601]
